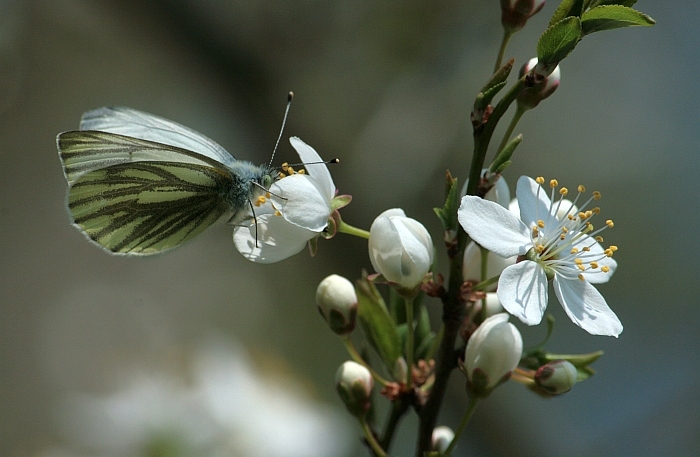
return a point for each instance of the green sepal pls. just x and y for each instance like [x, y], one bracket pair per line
[558, 41]
[502, 160]
[493, 85]
[567, 8]
[377, 325]
[609, 17]
[340, 201]
[448, 213]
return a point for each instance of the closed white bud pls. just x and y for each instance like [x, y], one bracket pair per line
[493, 352]
[442, 437]
[515, 13]
[556, 377]
[547, 82]
[354, 384]
[400, 248]
[337, 302]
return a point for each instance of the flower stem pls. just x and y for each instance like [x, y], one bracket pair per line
[371, 439]
[502, 51]
[398, 409]
[348, 229]
[471, 407]
[513, 122]
[409, 342]
[350, 346]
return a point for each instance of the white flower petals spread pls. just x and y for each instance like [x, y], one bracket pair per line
[562, 246]
[297, 210]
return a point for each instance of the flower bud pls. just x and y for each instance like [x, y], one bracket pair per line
[556, 377]
[515, 13]
[493, 352]
[400, 248]
[442, 437]
[471, 265]
[547, 81]
[354, 384]
[337, 302]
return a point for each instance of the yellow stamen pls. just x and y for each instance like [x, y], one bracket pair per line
[581, 188]
[539, 180]
[594, 265]
[540, 223]
[574, 250]
[581, 267]
[596, 210]
[553, 183]
[563, 191]
[578, 261]
[599, 239]
[605, 269]
[596, 195]
[610, 223]
[586, 249]
[581, 277]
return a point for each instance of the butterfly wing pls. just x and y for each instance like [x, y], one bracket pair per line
[137, 124]
[133, 196]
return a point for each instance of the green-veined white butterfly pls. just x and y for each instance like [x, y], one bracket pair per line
[140, 184]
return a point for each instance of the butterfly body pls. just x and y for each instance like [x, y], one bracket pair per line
[136, 187]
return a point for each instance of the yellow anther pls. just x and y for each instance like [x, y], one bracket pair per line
[586, 249]
[605, 269]
[562, 236]
[608, 253]
[563, 191]
[613, 248]
[281, 175]
[570, 216]
[535, 232]
[277, 213]
[580, 276]
[599, 239]
[302, 172]
[596, 195]
[594, 265]
[574, 251]
[596, 210]
[589, 213]
[290, 170]
[564, 230]
[581, 188]
[539, 180]
[610, 223]
[553, 183]
[284, 165]
[539, 248]
[582, 215]
[581, 267]
[578, 261]
[268, 195]
[540, 223]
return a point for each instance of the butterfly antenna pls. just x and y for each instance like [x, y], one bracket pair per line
[290, 97]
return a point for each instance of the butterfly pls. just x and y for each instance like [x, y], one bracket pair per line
[140, 184]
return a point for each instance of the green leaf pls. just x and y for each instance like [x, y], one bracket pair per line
[610, 17]
[558, 41]
[567, 8]
[502, 160]
[377, 325]
[448, 213]
[493, 86]
[595, 3]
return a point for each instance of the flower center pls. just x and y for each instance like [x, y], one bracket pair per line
[565, 241]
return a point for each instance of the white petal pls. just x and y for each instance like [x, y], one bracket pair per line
[522, 290]
[586, 307]
[471, 266]
[493, 227]
[319, 171]
[302, 202]
[276, 239]
[597, 276]
[534, 203]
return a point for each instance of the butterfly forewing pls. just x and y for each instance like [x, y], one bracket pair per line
[148, 207]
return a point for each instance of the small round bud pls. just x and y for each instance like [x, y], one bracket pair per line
[515, 13]
[400, 248]
[493, 352]
[556, 377]
[547, 82]
[337, 302]
[442, 437]
[354, 384]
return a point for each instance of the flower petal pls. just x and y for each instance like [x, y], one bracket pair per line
[534, 203]
[493, 227]
[596, 251]
[301, 202]
[586, 307]
[522, 290]
[276, 239]
[319, 171]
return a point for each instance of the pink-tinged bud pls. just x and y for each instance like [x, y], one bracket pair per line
[556, 377]
[493, 352]
[354, 384]
[515, 13]
[442, 437]
[337, 302]
[547, 83]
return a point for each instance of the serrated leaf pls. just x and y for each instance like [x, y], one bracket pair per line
[377, 325]
[566, 9]
[491, 92]
[610, 17]
[614, 2]
[558, 41]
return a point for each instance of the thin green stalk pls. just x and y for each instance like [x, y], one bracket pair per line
[371, 440]
[352, 350]
[398, 409]
[513, 122]
[348, 229]
[471, 407]
[408, 301]
[502, 51]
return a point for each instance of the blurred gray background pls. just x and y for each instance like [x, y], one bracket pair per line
[386, 87]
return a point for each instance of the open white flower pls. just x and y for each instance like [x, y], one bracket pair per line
[298, 210]
[565, 250]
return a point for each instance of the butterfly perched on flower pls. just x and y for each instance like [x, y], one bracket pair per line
[140, 184]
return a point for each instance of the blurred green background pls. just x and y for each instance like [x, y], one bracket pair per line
[387, 87]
